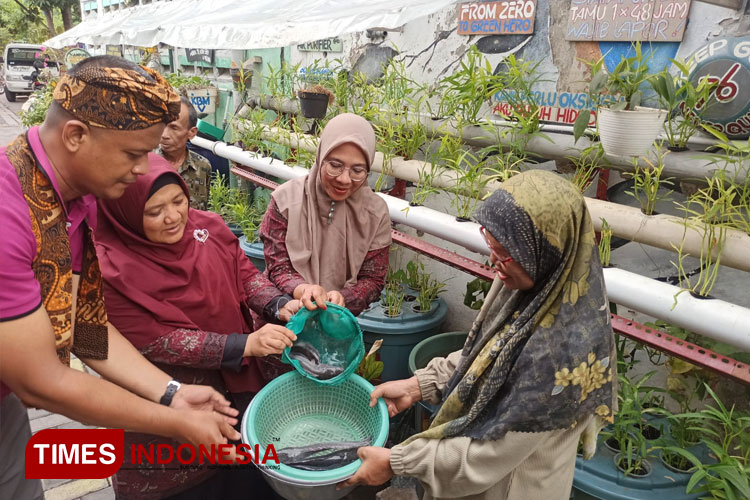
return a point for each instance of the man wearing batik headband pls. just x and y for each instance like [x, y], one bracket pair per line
[106, 116]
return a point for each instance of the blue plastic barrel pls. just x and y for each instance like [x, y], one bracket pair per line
[254, 251]
[399, 334]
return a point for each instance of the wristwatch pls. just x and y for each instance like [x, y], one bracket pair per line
[172, 387]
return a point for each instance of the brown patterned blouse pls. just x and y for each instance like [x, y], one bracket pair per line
[370, 280]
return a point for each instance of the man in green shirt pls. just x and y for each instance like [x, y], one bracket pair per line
[194, 168]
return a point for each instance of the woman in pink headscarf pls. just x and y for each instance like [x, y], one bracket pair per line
[327, 234]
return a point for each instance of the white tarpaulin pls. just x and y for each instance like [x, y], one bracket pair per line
[232, 24]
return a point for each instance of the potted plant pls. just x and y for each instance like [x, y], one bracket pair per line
[685, 103]
[625, 127]
[400, 328]
[199, 89]
[314, 101]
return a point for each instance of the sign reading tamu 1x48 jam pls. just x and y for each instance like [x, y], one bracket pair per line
[509, 17]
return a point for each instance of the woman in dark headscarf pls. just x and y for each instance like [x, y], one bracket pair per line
[537, 366]
[180, 289]
[327, 234]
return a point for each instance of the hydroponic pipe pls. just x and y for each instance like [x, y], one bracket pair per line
[713, 318]
[630, 223]
[424, 219]
[686, 166]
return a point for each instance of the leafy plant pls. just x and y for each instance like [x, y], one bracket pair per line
[429, 289]
[411, 277]
[182, 83]
[626, 432]
[281, 81]
[393, 293]
[587, 164]
[726, 432]
[734, 154]
[242, 214]
[709, 212]
[232, 205]
[370, 368]
[470, 87]
[39, 103]
[647, 181]
[249, 131]
[519, 78]
[685, 102]
[476, 291]
[425, 186]
[619, 88]
[605, 244]
[471, 178]
[220, 195]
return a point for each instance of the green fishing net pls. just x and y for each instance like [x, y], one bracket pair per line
[329, 345]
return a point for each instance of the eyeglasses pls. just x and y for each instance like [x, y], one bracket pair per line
[501, 260]
[335, 168]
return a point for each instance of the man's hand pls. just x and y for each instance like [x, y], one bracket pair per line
[289, 310]
[269, 339]
[375, 469]
[308, 293]
[336, 297]
[398, 394]
[205, 398]
[206, 428]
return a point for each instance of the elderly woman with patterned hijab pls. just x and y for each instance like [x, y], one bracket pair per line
[537, 366]
[178, 286]
[327, 235]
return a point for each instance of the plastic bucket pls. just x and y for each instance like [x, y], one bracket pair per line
[294, 411]
[313, 105]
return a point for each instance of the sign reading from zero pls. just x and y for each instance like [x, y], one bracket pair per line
[497, 18]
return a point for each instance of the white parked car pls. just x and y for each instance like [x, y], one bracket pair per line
[18, 65]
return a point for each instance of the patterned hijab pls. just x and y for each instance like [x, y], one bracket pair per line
[541, 359]
[117, 98]
[359, 224]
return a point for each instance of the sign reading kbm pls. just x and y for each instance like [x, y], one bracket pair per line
[497, 18]
[325, 45]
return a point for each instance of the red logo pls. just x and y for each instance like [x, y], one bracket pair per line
[74, 453]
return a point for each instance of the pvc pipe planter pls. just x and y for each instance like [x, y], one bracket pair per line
[712, 318]
[630, 223]
[687, 166]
